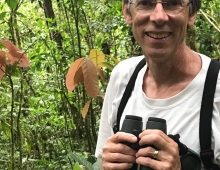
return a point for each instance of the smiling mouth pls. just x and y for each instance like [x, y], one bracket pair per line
[158, 36]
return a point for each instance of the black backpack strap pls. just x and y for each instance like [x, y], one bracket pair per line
[205, 127]
[127, 93]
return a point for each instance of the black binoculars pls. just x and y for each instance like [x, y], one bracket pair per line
[134, 125]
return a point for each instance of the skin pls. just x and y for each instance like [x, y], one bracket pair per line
[171, 67]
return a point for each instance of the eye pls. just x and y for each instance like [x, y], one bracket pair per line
[173, 3]
[144, 3]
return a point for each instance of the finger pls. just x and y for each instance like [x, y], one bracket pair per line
[118, 148]
[157, 139]
[149, 152]
[118, 158]
[123, 137]
[155, 131]
[116, 166]
[154, 164]
[170, 148]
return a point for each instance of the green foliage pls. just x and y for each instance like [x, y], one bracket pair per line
[12, 3]
[208, 28]
[41, 122]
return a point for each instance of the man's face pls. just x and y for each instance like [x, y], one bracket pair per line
[160, 35]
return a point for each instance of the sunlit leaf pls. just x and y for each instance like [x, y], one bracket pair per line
[101, 74]
[90, 78]
[105, 64]
[74, 75]
[97, 56]
[6, 129]
[17, 54]
[85, 109]
[76, 166]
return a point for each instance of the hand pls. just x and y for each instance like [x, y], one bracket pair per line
[118, 156]
[168, 155]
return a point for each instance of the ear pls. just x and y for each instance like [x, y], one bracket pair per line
[127, 14]
[192, 19]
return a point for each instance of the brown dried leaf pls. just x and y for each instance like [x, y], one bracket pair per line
[90, 78]
[2, 71]
[101, 74]
[3, 58]
[17, 54]
[85, 109]
[2, 64]
[74, 75]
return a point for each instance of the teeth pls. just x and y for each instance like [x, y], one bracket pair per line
[158, 36]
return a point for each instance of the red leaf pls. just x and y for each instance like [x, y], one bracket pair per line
[2, 64]
[3, 58]
[85, 109]
[16, 54]
[74, 75]
[90, 78]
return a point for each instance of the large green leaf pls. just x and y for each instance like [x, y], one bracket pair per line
[12, 3]
[98, 164]
[81, 160]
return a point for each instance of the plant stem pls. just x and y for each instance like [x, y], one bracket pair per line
[12, 124]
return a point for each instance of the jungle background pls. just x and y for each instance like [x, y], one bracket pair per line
[44, 123]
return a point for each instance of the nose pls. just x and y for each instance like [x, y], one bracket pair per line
[158, 15]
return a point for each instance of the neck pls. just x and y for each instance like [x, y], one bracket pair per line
[170, 76]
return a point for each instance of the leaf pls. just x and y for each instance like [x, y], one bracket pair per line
[2, 15]
[90, 78]
[97, 56]
[76, 166]
[100, 98]
[81, 160]
[29, 145]
[101, 74]
[74, 75]
[3, 58]
[12, 3]
[85, 109]
[2, 64]
[105, 64]
[114, 59]
[20, 14]
[98, 164]
[16, 54]
[6, 128]
[81, 3]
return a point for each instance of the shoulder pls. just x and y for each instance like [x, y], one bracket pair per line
[126, 67]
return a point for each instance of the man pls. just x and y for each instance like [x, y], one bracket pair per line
[170, 86]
